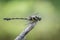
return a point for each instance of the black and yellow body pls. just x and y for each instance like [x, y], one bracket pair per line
[31, 18]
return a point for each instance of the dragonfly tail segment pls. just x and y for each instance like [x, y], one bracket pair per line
[14, 18]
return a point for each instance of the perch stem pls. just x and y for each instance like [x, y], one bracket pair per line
[22, 35]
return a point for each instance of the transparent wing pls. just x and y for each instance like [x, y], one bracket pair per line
[34, 13]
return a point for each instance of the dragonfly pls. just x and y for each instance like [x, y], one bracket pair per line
[30, 18]
[33, 19]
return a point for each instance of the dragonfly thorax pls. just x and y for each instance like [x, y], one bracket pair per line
[34, 18]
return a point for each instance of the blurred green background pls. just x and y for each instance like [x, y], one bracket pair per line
[47, 29]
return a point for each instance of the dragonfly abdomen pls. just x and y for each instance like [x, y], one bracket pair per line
[14, 18]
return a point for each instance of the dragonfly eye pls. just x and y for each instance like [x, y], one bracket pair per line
[38, 18]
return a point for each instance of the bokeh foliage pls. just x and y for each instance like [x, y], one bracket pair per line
[47, 29]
